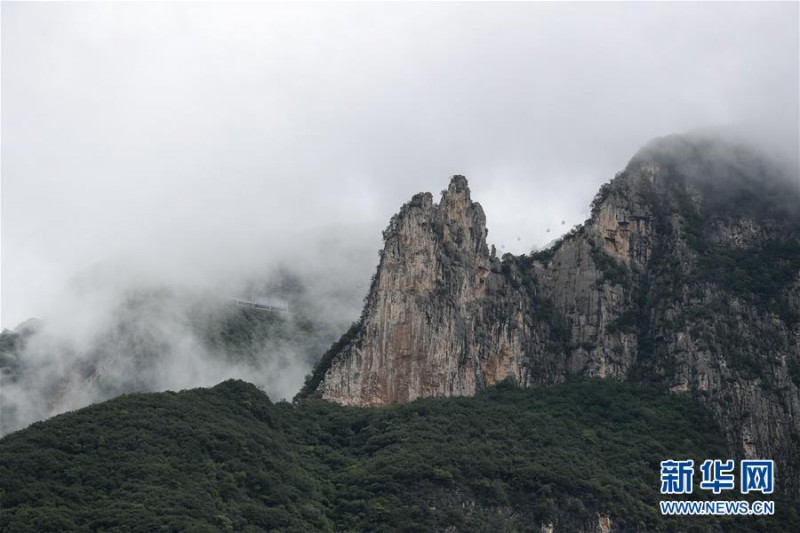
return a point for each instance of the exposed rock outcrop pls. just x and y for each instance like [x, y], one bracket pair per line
[687, 274]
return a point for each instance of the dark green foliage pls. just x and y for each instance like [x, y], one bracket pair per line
[203, 460]
[717, 185]
[315, 378]
[547, 254]
[9, 341]
[601, 196]
[228, 459]
[613, 271]
[627, 322]
[520, 273]
[732, 178]
[544, 311]
[241, 334]
[238, 332]
[758, 273]
[10, 345]
[794, 371]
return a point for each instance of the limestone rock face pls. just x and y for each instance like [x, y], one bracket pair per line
[418, 333]
[686, 275]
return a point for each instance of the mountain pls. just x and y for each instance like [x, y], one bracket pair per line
[581, 456]
[149, 337]
[474, 393]
[686, 276]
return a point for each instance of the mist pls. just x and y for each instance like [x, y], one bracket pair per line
[117, 329]
[194, 150]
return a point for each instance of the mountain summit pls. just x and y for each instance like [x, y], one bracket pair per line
[421, 308]
[686, 275]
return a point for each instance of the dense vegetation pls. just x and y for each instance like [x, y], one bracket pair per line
[313, 380]
[722, 187]
[10, 346]
[227, 458]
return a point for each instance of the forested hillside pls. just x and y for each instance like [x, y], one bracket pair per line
[575, 456]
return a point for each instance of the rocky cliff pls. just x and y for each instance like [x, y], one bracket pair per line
[687, 274]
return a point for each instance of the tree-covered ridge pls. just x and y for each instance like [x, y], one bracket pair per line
[227, 458]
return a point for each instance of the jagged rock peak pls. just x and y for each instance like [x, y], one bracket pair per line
[688, 265]
[434, 263]
[456, 221]
[457, 192]
[458, 184]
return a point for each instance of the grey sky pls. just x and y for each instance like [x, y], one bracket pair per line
[202, 141]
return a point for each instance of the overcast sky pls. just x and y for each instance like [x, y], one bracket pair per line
[200, 140]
